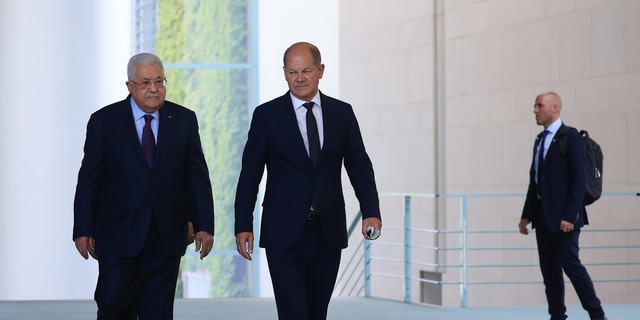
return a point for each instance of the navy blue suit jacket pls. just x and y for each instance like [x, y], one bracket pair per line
[275, 141]
[117, 192]
[563, 182]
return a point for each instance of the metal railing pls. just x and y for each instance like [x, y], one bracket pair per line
[358, 270]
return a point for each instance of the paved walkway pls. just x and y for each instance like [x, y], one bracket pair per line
[340, 309]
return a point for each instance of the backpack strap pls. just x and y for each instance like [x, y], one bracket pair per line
[584, 133]
[561, 137]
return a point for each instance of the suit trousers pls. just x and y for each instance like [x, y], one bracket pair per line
[142, 286]
[304, 276]
[558, 252]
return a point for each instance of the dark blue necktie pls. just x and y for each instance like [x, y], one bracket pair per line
[148, 140]
[541, 160]
[312, 134]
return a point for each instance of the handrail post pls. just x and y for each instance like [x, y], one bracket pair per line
[463, 252]
[407, 249]
[367, 268]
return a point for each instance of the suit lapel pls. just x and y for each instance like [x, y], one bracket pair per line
[559, 133]
[535, 145]
[165, 127]
[129, 129]
[290, 122]
[328, 118]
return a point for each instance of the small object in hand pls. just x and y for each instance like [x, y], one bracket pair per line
[372, 233]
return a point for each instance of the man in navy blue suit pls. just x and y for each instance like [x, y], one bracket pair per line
[554, 206]
[303, 138]
[143, 195]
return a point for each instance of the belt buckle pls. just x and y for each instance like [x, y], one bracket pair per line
[313, 216]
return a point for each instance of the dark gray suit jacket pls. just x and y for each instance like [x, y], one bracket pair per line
[563, 182]
[275, 141]
[117, 192]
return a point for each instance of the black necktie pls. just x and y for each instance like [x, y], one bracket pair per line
[541, 160]
[148, 141]
[312, 134]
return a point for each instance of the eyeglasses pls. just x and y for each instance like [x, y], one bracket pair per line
[146, 84]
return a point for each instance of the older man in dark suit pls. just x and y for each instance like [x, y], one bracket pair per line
[143, 190]
[554, 204]
[302, 138]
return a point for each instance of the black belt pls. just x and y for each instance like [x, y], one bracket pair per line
[313, 216]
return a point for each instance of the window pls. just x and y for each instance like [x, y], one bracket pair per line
[206, 47]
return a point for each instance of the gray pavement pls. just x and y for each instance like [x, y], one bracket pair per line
[340, 309]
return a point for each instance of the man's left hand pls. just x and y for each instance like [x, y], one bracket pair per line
[375, 222]
[204, 243]
[566, 226]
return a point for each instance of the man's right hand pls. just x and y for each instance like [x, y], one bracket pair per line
[86, 247]
[244, 242]
[523, 226]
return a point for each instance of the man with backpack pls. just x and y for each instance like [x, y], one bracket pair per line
[554, 205]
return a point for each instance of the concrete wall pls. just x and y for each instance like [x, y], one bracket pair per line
[446, 106]
[60, 61]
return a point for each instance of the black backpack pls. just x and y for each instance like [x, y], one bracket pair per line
[593, 187]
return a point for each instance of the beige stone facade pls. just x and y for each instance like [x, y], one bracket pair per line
[444, 93]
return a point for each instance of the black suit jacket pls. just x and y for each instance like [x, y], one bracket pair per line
[117, 192]
[275, 141]
[563, 182]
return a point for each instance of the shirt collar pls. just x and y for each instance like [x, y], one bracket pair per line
[297, 103]
[553, 128]
[138, 113]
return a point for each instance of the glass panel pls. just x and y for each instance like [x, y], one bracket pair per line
[203, 32]
[205, 46]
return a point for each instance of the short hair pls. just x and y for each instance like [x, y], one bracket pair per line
[315, 53]
[556, 97]
[142, 59]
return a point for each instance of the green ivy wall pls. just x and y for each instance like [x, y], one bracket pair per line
[205, 46]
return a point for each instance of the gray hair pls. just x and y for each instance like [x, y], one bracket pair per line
[142, 59]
